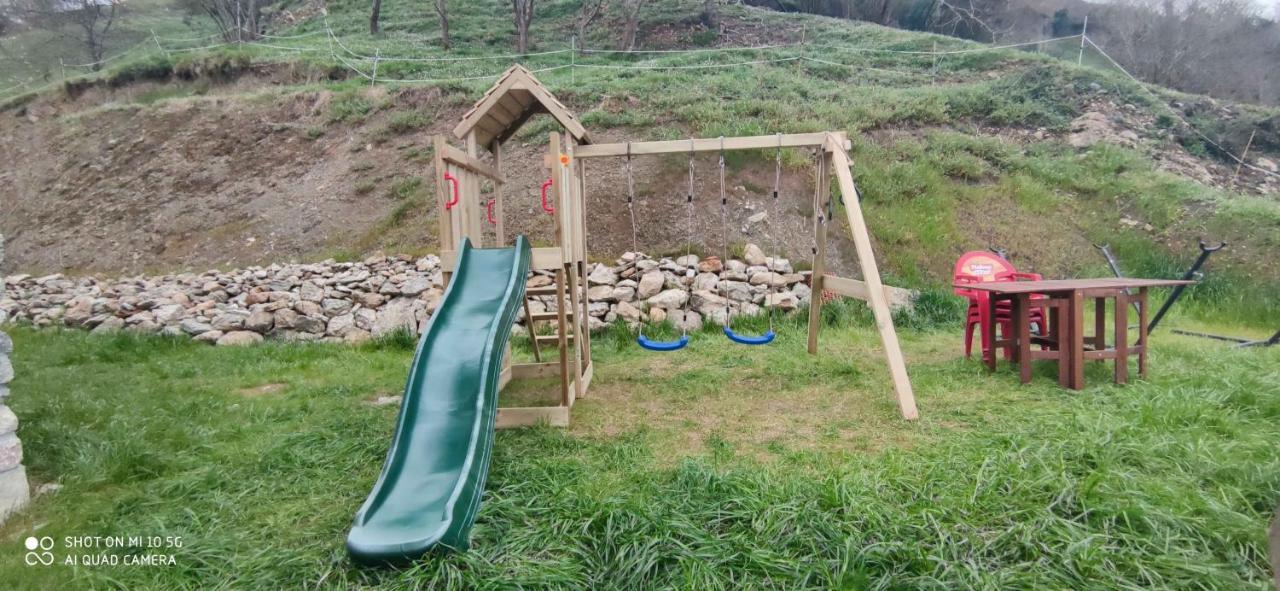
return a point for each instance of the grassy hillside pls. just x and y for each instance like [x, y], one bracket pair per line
[952, 153]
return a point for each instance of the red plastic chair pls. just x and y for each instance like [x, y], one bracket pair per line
[979, 266]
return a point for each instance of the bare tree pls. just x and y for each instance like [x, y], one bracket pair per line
[524, 17]
[87, 22]
[374, 16]
[630, 23]
[237, 20]
[587, 14]
[972, 19]
[442, 9]
[710, 15]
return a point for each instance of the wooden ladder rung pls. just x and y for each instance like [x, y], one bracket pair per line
[546, 290]
[550, 338]
[538, 316]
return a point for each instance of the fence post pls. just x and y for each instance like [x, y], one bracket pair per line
[1084, 34]
[377, 55]
[1243, 156]
[935, 62]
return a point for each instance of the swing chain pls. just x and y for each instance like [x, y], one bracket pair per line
[724, 232]
[631, 197]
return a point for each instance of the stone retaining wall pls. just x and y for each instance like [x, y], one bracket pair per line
[14, 490]
[354, 301]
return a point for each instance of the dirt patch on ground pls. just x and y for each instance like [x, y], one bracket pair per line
[263, 390]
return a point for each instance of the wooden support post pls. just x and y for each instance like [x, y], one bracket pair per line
[444, 192]
[499, 229]
[871, 274]
[817, 281]
[1122, 337]
[562, 321]
[581, 186]
[567, 209]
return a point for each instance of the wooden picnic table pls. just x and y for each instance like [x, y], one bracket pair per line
[1063, 300]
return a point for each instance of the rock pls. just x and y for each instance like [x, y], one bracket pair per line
[623, 293]
[753, 255]
[669, 299]
[229, 321]
[1268, 164]
[365, 319]
[415, 286]
[6, 369]
[285, 319]
[757, 218]
[768, 278]
[78, 311]
[705, 281]
[6, 344]
[14, 491]
[310, 292]
[254, 298]
[629, 313]
[308, 308]
[239, 338]
[803, 292]
[538, 281]
[8, 421]
[194, 327]
[707, 303]
[396, 314]
[779, 265]
[260, 321]
[356, 336]
[335, 306]
[602, 275]
[109, 325]
[783, 300]
[710, 265]
[687, 261]
[48, 488]
[657, 314]
[10, 452]
[312, 324]
[685, 320]
[737, 291]
[340, 325]
[369, 300]
[600, 293]
[650, 284]
[169, 313]
[210, 337]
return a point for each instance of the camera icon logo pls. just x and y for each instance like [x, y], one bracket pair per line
[38, 551]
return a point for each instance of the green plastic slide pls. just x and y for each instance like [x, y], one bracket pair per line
[429, 491]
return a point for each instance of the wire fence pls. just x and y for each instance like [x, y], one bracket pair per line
[392, 68]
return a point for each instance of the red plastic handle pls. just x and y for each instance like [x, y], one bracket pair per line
[547, 206]
[449, 205]
[489, 212]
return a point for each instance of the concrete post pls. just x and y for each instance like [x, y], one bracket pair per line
[14, 490]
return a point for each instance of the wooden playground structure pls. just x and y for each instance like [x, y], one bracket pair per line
[460, 174]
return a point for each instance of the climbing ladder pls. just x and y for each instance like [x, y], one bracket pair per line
[563, 301]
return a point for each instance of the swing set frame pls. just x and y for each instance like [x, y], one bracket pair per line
[515, 97]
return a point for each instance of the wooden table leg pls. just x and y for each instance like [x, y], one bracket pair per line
[1142, 332]
[1059, 333]
[1100, 324]
[1022, 327]
[1122, 338]
[1077, 340]
[991, 332]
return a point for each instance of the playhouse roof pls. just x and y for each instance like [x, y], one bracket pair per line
[514, 98]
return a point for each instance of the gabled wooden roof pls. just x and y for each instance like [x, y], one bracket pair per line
[514, 98]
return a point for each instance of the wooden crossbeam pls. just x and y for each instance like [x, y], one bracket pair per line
[461, 159]
[755, 142]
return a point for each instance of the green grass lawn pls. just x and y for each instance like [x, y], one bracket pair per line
[718, 467]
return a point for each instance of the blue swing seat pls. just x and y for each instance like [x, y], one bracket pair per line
[663, 346]
[763, 339]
